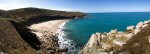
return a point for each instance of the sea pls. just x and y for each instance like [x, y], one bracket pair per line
[76, 32]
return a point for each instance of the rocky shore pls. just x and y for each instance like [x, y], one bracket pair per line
[115, 42]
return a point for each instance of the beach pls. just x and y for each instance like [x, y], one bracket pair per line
[53, 26]
[48, 32]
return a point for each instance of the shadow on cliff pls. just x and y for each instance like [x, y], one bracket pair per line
[27, 36]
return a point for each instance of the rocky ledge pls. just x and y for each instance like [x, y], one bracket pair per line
[135, 40]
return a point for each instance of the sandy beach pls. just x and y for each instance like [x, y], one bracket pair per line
[47, 32]
[52, 26]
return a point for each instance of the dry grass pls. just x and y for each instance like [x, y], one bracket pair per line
[139, 44]
[10, 40]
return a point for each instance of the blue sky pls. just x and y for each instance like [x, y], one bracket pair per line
[81, 5]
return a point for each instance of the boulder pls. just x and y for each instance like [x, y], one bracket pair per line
[139, 25]
[130, 27]
[136, 31]
[118, 42]
[144, 25]
[145, 22]
[113, 31]
[106, 46]
[93, 41]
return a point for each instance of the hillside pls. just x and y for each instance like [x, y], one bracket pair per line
[16, 38]
[35, 15]
[10, 40]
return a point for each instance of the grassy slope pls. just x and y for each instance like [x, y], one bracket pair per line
[139, 43]
[11, 41]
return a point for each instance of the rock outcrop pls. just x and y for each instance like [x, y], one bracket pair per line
[114, 41]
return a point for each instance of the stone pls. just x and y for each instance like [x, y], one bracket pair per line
[98, 34]
[136, 31]
[93, 41]
[104, 36]
[130, 27]
[118, 42]
[129, 35]
[113, 31]
[145, 22]
[106, 46]
[144, 25]
[139, 25]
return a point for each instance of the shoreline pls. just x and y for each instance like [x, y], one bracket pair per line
[52, 26]
[48, 34]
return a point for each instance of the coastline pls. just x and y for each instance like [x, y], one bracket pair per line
[49, 33]
[52, 26]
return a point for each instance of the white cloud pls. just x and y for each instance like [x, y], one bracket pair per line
[12, 4]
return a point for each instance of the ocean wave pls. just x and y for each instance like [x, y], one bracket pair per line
[65, 42]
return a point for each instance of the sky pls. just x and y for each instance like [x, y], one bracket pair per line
[80, 5]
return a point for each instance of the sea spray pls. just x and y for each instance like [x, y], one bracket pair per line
[64, 41]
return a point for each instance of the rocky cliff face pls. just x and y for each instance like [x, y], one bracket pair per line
[133, 41]
[16, 38]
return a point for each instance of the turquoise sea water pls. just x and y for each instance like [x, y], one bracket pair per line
[80, 30]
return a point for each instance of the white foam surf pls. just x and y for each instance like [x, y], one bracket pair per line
[64, 41]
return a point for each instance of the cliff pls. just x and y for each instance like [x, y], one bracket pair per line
[135, 40]
[11, 41]
[17, 38]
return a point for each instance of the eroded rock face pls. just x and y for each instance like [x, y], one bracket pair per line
[108, 43]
